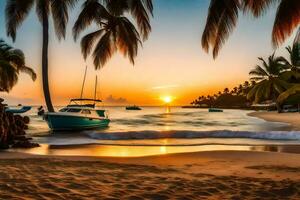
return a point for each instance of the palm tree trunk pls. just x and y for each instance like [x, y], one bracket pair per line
[45, 62]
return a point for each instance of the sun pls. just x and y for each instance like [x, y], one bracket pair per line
[167, 99]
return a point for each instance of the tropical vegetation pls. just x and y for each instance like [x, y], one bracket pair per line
[235, 98]
[275, 79]
[269, 83]
[12, 62]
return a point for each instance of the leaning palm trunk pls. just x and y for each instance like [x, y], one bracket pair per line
[46, 90]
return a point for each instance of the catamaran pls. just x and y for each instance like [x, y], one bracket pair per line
[80, 114]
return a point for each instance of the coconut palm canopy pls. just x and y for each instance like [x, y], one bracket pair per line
[269, 84]
[223, 15]
[116, 32]
[12, 62]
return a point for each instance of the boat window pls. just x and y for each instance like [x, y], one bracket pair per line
[101, 113]
[63, 110]
[74, 110]
[86, 112]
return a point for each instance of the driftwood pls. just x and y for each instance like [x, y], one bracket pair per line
[12, 130]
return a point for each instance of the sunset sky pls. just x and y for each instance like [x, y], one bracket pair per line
[171, 62]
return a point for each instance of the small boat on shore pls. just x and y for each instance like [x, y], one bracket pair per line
[215, 110]
[23, 109]
[134, 107]
[78, 115]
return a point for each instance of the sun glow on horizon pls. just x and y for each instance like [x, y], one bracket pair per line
[167, 99]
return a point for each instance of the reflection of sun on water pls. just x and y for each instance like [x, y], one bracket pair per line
[167, 100]
[163, 149]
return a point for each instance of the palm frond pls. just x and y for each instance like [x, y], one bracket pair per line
[42, 8]
[221, 20]
[260, 92]
[11, 62]
[268, 90]
[259, 71]
[91, 11]
[88, 41]
[257, 7]
[15, 13]
[8, 76]
[103, 50]
[128, 39]
[295, 89]
[28, 71]
[252, 92]
[149, 5]
[16, 57]
[257, 78]
[140, 14]
[59, 10]
[281, 85]
[117, 7]
[287, 19]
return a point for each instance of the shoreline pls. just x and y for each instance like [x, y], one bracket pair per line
[292, 119]
[205, 175]
[115, 151]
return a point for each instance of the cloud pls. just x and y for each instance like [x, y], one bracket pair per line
[111, 99]
[164, 87]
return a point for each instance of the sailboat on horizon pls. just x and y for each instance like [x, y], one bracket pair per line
[80, 114]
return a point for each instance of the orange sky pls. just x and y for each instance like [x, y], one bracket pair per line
[171, 62]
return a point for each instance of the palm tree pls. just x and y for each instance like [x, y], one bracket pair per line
[226, 91]
[292, 74]
[234, 90]
[116, 32]
[240, 89]
[269, 84]
[16, 11]
[12, 61]
[223, 15]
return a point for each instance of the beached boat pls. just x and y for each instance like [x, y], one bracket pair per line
[23, 109]
[78, 115]
[215, 110]
[133, 108]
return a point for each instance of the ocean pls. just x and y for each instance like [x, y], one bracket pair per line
[158, 130]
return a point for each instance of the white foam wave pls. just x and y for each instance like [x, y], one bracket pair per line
[184, 134]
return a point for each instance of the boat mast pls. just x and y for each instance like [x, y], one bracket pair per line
[83, 82]
[95, 94]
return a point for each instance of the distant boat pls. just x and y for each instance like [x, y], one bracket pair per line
[18, 111]
[134, 107]
[78, 115]
[215, 110]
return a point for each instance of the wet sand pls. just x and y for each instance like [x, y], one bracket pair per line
[291, 118]
[202, 175]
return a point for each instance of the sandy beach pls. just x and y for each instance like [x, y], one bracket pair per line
[203, 175]
[290, 118]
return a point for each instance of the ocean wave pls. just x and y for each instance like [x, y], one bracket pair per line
[185, 134]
